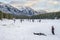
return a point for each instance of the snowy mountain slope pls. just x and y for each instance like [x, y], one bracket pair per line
[27, 10]
[6, 8]
[41, 11]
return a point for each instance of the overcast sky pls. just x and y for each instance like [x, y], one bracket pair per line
[49, 5]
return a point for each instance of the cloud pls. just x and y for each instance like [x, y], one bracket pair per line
[29, 4]
[38, 4]
[53, 2]
[23, 3]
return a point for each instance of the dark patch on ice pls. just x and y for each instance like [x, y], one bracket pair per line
[40, 34]
[4, 25]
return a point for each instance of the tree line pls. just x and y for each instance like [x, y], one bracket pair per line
[51, 15]
[5, 15]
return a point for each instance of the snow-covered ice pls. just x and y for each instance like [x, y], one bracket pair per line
[24, 30]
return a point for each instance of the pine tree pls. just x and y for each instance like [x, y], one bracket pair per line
[1, 15]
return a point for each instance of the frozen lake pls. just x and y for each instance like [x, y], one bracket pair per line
[24, 30]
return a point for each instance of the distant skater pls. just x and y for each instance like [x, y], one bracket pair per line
[14, 20]
[21, 20]
[1, 19]
[32, 20]
[39, 20]
[53, 30]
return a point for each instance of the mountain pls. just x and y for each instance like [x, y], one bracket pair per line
[6, 8]
[27, 11]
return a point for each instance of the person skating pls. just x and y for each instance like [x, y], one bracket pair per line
[53, 30]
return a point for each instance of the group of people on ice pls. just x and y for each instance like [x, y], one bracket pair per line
[31, 20]
[52, 28]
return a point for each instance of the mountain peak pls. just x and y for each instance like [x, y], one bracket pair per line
[27, 11]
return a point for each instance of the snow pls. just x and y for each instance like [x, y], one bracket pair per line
[24, 30]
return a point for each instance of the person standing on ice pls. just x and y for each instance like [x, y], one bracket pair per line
[39, 20]
[53, 30]
[14, 20]
[21, 20]
[32, 20]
